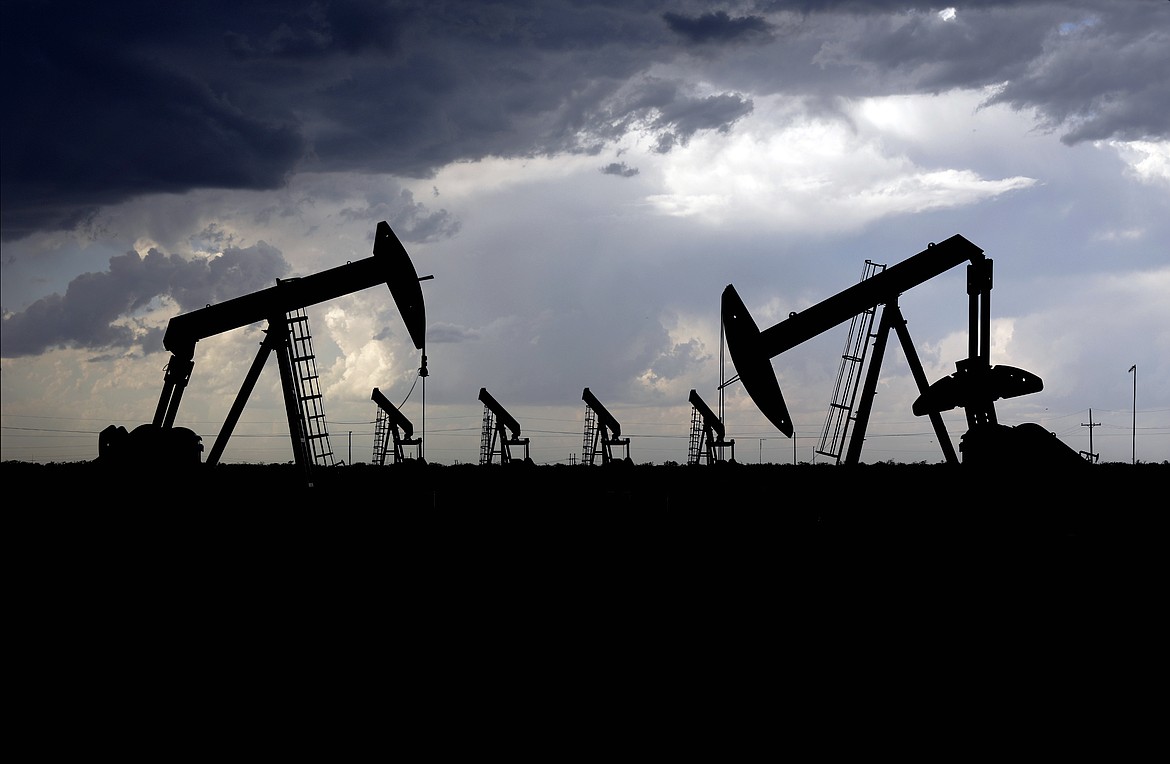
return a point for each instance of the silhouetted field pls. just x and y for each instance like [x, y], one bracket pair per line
[236, 560]
[865, 499]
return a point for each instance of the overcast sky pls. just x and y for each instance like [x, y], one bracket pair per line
[582, 180]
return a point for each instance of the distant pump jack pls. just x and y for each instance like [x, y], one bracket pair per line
[496, 425]
[602, 432]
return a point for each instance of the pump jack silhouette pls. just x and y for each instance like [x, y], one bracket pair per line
[160, 445]
[497, 422]
[975, 386]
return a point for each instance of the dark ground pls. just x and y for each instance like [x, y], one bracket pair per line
[428, 593]
[805, 499]
[747, 540]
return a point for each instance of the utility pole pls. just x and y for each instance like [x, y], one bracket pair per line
[1091, 455]
[1133, 444]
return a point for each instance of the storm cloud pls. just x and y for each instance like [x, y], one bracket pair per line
[168, 97]
[97, 311]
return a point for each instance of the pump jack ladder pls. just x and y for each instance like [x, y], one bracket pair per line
[844, 401]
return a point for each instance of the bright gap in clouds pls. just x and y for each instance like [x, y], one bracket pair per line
[1149, 160]
[885, 157]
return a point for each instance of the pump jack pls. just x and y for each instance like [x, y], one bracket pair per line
[707, 433]
[391, 424]
[495, 420]
[161, 445]
[975, 386]
[601, 429]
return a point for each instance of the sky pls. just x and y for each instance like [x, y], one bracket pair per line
[582, 180]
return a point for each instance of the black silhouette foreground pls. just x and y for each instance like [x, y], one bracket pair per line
[393, 432]
[708, 435]
[495, 441]
[974, 387]
[160, 445]
[602, 433]
[1044, 476]
[743, 505]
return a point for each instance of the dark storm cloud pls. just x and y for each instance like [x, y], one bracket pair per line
[716, 27]
[1101, 77]
[439, 333]
[94, 118]
[96, 306]
[687, 116]
[411, 221]
[933, 54]
[160, 97]
[680, 360]
[108, 102]
[620, 169]
[1090, 73]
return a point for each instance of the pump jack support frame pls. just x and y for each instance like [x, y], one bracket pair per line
[275, 340]
[892, 318]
